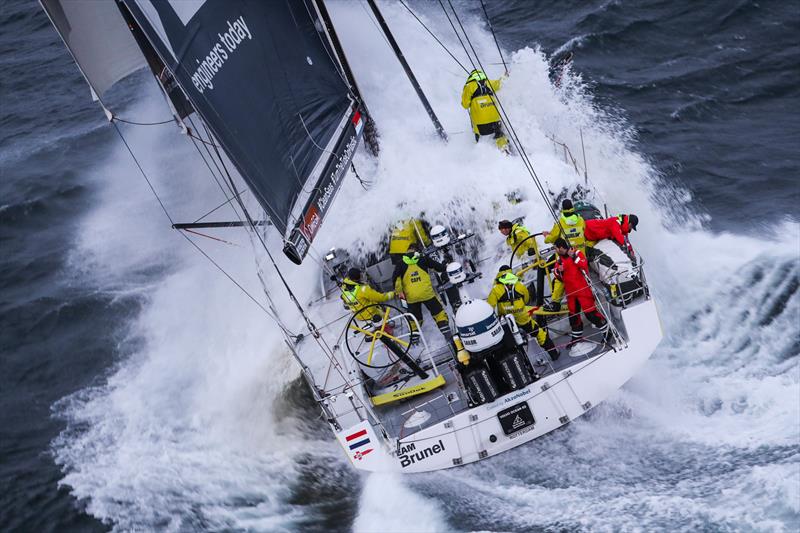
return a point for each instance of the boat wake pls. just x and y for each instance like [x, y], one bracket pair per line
[201, 423]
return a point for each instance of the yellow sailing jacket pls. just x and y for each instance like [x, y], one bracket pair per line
[357, 296]
[510, 299]
[407, 233]
[574, 228]
[413, 279]
[482, 107]
[518, 234]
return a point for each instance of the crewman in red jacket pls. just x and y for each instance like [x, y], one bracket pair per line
[615, 228]
[570, 272]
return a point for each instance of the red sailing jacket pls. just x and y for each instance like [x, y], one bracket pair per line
[608, 228]
[571, 270]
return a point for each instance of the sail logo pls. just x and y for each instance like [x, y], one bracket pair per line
[409, 455]
[312, 221]
[229, 41]
[337, 173]
[357, 441]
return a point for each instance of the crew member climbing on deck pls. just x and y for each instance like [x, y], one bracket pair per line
[614, 228]
[478, 97]
[571, 271]
[572, 225]
[510, 296]
[404, 234]
[357, 296]
[413, 284]
[517, 238]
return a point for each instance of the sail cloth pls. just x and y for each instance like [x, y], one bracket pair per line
[264, 78]
[98, 38]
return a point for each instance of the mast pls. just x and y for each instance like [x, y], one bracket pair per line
[407, 68]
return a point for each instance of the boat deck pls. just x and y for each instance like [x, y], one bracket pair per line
[403, 418]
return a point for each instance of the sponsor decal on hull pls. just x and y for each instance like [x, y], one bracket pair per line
[509, 399]
[409, 455]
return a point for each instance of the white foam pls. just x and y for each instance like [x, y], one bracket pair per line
[183, 433]
[387, 504]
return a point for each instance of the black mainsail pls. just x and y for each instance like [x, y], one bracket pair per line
[263, 76]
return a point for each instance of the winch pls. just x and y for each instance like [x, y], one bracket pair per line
[440, 236]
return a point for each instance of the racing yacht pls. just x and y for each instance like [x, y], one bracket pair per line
[396, 405]
[266, 88]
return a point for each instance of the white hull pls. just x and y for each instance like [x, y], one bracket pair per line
[477, 434]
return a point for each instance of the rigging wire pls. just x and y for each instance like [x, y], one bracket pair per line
[115, 118]
[169, 217]
[188, 230]
[315, 333]
[489, 22]
[458, 36]
[220, 206]
[507, 121]
[219, 180]
[402, 2]
[235, 195]
[364, 184]
[524, 156]
[311, 327]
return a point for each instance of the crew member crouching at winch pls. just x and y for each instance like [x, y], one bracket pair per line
[510, 296]
[571, 271]
[357, 296]
[413, 284]
[614, 228]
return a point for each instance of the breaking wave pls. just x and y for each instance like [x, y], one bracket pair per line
[201, 424]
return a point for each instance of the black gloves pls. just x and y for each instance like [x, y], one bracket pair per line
[552, 306]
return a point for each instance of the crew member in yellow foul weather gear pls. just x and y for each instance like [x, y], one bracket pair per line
[357, 296]
[413, 284]
[404, 234]
[516, 236]
[478, 97]
[573, 227]
[509, 296]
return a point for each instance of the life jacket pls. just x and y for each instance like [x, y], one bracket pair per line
[483, 89]
[414, 281]
[573, 227]
[510, 296]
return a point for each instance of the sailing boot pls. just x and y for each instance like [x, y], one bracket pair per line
[502, 144]
[551, 349]
[575, 336]
[414, 335]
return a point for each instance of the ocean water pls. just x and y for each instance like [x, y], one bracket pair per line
[143, 391]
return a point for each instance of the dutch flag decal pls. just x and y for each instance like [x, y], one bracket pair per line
[357, 122]
[357, 441]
